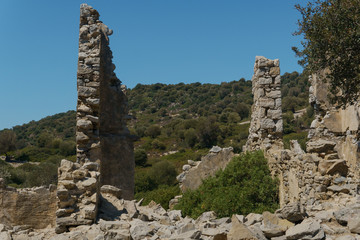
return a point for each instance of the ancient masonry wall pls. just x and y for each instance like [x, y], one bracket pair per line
[104, 145]
[196, 171]
[330, 168]
[266, 120]
[34, 207]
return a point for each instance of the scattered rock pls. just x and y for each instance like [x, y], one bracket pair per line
[308, 229]
[320, 146]
[239, 231]
[293, 212]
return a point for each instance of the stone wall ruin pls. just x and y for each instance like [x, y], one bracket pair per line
[266, 119]
[330, 167]
[104, 144]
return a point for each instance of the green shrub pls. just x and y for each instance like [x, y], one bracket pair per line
[163, 173]
[161, 195]
[157, 144]
[153, 131]
[244, 186]
[140, 157]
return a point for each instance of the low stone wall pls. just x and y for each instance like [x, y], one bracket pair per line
[78, 194]
[194, 172]
[34, 207]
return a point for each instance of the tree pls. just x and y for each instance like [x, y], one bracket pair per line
[7, 141]
[140, 157]
[331, 31]
[153, 131]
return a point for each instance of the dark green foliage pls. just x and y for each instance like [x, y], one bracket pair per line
[184, 120]
[153, 131]
[157, 184]
[331, 34]
[163, 173]
[161, 195]
[7, 141]
[140, 157]
[244, 186]
[30, 175]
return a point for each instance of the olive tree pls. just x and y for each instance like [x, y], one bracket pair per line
[331, 32]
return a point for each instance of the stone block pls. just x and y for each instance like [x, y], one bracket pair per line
[264, 81]
[274, 71]
[87, 91]
[267, 123]
[266, 102]
[274, 114]
[320, 145]
[274, 94]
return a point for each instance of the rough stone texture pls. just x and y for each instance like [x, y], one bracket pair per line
[104, 145]
[78, 195]
[153, 222]
[334, 130]
[266, 120]
[102, 135]
[34, 207]
[192, 176]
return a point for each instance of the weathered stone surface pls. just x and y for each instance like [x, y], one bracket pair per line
[34, 207]
[252, 218]
[111, 190]
[294, 212]
[267, 123]
[344, 214]
[139, 229]
[354, 224]
[209, 165]
[239, 231]
[320, 146]
[272, 226]
[308, 229]
[266, 119]
[333, 166]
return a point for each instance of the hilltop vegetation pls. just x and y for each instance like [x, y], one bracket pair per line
[174, 123]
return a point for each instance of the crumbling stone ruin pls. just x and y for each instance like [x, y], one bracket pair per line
[266, 125]
[196, 171]
[104, 145]
[33, 207]
[319, 189]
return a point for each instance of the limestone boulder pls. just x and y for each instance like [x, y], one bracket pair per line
[293, 212]
[108, 189]
[272, 226]
[208, 166]
[139, 229]
[354, 224]
[333, 167]
[320, 146]
[308, 229]
[344, 214]
[239, 231]
[253, 218]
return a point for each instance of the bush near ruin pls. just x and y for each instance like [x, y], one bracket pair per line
[233, 191]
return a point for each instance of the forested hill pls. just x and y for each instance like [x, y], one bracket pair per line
[173, 108]
[187, 118]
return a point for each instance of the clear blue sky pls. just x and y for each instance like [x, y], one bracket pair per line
[167, 41]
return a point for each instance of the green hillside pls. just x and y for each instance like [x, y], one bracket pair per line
[174, 123]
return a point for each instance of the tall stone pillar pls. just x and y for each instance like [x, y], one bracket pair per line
[104, 145]
[266, 119]
[102, 135]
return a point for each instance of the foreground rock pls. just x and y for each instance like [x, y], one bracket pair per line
[327, 220]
